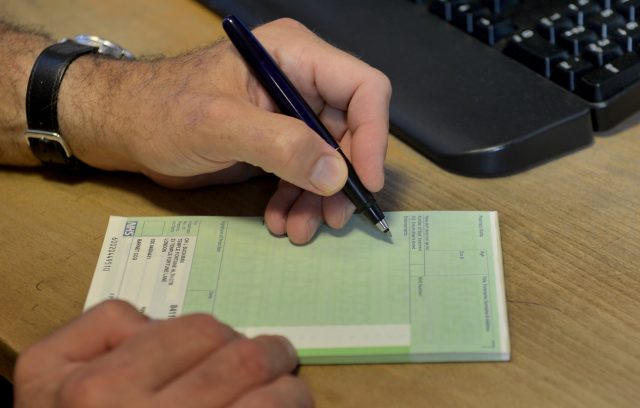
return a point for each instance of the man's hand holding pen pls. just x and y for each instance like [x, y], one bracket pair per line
[290, 102]
[212, 122]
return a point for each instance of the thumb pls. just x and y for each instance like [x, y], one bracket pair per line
[291, 150]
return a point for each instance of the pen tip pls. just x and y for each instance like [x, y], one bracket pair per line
[383, 226]
[388, 233]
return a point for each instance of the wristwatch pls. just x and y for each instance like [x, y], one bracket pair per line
[43, 134]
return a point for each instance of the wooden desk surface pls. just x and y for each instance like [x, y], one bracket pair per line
[570, 236]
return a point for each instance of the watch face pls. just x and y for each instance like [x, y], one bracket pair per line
[105, 47]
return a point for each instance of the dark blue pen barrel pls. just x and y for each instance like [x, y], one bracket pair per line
[360, 195]
[290, 102]
[364, 200]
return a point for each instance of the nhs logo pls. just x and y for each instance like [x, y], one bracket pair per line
[130, 228]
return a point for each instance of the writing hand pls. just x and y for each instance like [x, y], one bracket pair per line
[202, 118]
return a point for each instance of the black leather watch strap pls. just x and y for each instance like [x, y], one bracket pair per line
[42, 103]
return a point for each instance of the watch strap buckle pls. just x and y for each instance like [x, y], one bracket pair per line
[49, 147]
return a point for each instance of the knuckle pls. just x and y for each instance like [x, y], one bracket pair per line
[384, 83]
[252, 359]
[285, 153]
[291, 23]
[204, 112]
[206, 327]
[221, 107]
[202, 320]
[284, 149]
[83, 391]
[115, 309]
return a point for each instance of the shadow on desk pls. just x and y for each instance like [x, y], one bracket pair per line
[248, 198]
[6, 393]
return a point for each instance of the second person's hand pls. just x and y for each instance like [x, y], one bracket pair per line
[113, 356]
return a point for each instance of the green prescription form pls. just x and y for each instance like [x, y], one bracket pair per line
[435, 292]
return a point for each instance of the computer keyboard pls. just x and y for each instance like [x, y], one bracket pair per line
[589, 47]
[485, 87]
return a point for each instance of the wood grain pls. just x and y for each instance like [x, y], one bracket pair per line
[570, 235]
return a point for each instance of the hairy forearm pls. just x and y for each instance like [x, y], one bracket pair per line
[149, 116]
[18, 51]
[90, 103]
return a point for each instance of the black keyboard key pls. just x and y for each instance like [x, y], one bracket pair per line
[602, 52]
[629, 9]
[628, 36]
[513, 117]
[580, 10]
[500, 6]
[605, 22]
[444, 8]
[532, 50]
[605, 82]
[568, 72]
[492, 29]
[576, 39]
[550, 27]
[605, 4]
[465, 15]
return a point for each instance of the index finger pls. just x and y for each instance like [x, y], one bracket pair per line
[231, 371]
[97, 331]
[166, 350]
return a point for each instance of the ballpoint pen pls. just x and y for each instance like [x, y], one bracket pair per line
[291, 103]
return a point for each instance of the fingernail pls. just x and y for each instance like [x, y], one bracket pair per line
[349, 208]
[328, 174]
[312, 227]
